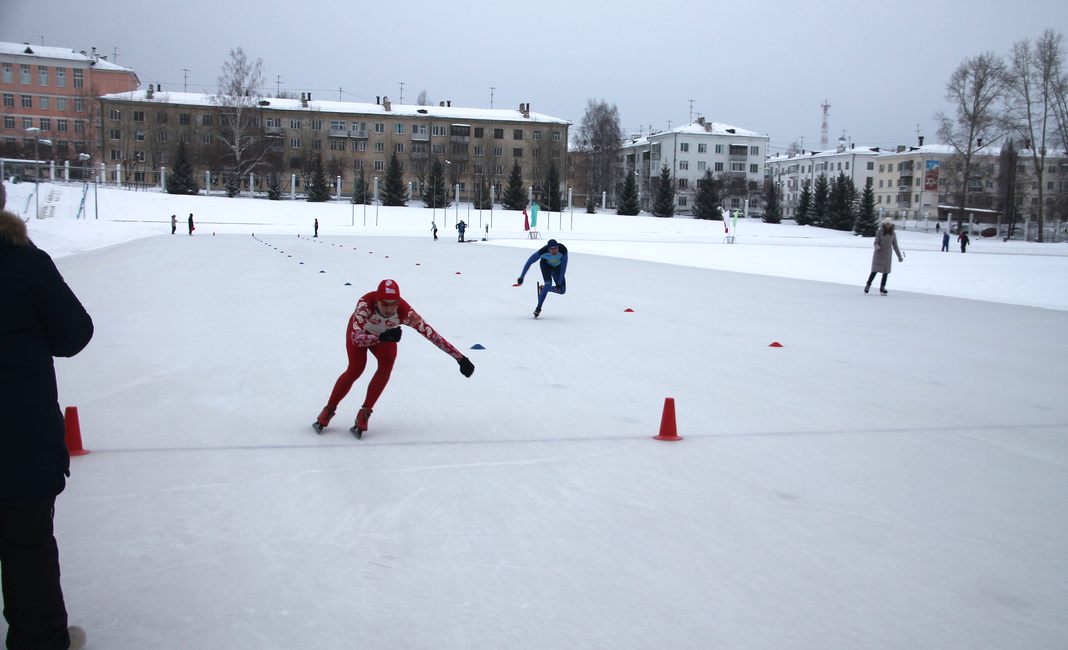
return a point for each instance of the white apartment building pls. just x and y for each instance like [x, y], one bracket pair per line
[734, 155]
[791, 172]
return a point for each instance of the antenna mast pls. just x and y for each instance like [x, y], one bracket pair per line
[823, 127]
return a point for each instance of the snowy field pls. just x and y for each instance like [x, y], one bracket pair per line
[894, 476]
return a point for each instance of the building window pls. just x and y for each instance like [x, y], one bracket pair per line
[682, 201]
[438, 148]
[27, 101]
[161, 118]
[9, 76]
[61, 77]
[380, 147]
[24, 74]
[719, 148]
[359, 126]
[702, 148]
[480, 150]
[537, 152]
[317, 125]
[78, 78]
[162, 136]
[719, 165]
[498, 169]
[27, 122]
[79, 126]
[536, 135]
[871, 166]
[46, 124]
[480, 132]
[115, 155]
[138, 116]
[357, 165]
[206, 119]
[754, 151]
[517, 134]
[44, 102]
[380, 127]
[294, 124]
[61, 104]
[498, 134]
[115, 134]
[754, 169]
[398, 128]
[9, 121]
[439, 129]
[359, 145]
[42, 75]
[399, 147]
[701, 165]
[337, 144]
[682, 183]
[294, 143]
[205, 138]
[498, 151]
[556, 136]
[317, 144]
[684, 147]
[61, 126]
[737, 167]
[183, 119]
[9, 100]
[517, 152]
[380, 165]
[139, 136]
[684, 164]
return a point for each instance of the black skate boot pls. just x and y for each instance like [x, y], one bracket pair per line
[323, 419]
[361, 422]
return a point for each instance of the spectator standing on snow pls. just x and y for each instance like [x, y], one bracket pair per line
[375, 326]
[963, 239]
[885, 244]
[434, 230]
[316, 228]
[461, 227]
[191, 226]
[174, 224]
[945, 241]
[552, 258]
[41, 319]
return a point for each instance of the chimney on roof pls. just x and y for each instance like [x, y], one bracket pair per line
[385, 103]
[148, 95]
[921, 140]
[900, 148]
[441, 104]
[448, 102]
[378, 100]
[303, 99]
[524, 109]
[158, 88]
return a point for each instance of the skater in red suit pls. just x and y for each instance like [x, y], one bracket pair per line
[375, 326]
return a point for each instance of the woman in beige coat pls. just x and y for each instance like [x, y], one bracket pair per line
[885, 242]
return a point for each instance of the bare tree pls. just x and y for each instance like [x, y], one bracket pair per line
[600, 136]
[423, 99]
[1033, 78]
[974, 90]
[239, 95]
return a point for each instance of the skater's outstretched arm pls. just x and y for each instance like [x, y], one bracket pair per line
[530, 261]
[413, 320]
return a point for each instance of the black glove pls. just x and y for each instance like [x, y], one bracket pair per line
[390, 336]
[519, 281]
[466, 367]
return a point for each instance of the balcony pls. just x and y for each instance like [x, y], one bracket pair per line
[419, 155]
[737, 157]
[339, 133]
[460, 139]
[417, 137]
[273, 130]
[359, 134]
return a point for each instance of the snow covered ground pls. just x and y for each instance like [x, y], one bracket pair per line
[894, 476]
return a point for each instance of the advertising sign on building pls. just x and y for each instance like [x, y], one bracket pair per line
[930, 176]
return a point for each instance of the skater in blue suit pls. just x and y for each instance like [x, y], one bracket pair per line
[553, 262]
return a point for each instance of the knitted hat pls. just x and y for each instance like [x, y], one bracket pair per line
[387, 290]
[552, 244]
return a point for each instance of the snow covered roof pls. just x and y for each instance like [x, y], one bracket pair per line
[353, 108]
[694, 128]
[46, 52]
[811, 155]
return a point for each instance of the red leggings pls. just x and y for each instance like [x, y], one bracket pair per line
[385, 353]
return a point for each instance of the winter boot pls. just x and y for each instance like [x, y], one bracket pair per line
[867, 288]
[361, 422]
[883, 291]
[323, 419]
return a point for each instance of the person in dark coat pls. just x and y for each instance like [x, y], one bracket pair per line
[316, 228]
[461, 228]
[964, 240]
[41, 318]
[885, 244]
[945, 241]
[174, 224]
[191, 227]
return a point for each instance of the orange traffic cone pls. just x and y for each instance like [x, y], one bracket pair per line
[74, 432]
[667, 422]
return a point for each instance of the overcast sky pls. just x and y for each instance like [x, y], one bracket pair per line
[882, 66]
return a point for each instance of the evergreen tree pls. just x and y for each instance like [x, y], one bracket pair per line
[483, 197]
[435, 191]
[274, 187]
[318, 191]
[818, 216]
[867, 219]
[553, 180]
[182, 180]
[664, 203]
[772, 206]
[804, 207]
[232, 185]
[628, 201]
[394, 191]
[840, 205]
[515, 195]
[706, 203]
[360, 195]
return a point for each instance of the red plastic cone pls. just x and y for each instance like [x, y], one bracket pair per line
[74, 432]
[628, 310]
[667, 422]
[775, 344]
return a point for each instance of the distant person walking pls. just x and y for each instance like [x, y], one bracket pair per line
[191, 226]
[434, 230]
[174, 224]
[42, 319]
[945, 241]
[461, 227]
[963, 239]
[316, 228]
[885, 244]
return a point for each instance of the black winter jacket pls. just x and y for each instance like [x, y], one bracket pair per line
[40, 318]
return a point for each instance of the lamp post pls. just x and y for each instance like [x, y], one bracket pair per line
[84, 157]
[37, 140]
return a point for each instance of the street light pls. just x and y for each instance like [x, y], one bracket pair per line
[85, 158]
[37, 139]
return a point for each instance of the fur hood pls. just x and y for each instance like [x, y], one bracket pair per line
[13, 229]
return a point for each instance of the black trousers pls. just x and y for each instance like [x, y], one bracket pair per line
[29, 563]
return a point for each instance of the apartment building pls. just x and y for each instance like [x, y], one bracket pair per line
[49, 95]
[141, 131]
[791, 172]
[734, 155]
